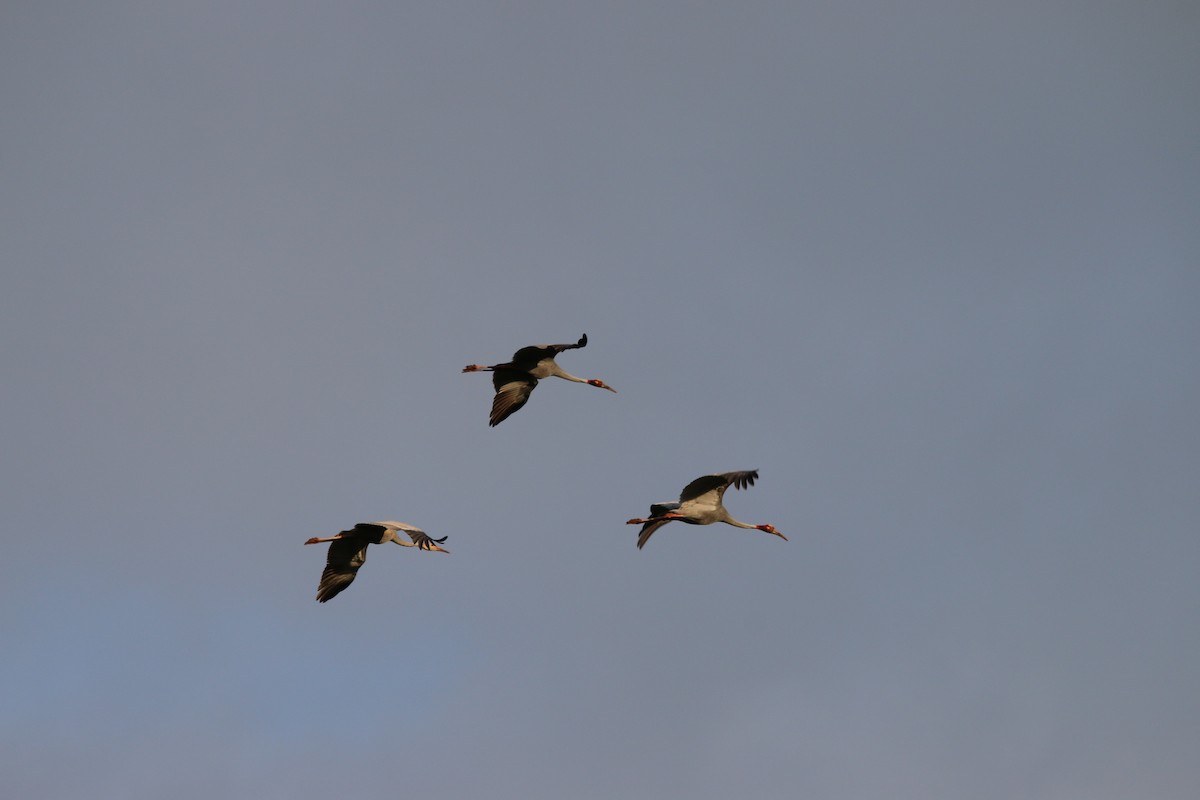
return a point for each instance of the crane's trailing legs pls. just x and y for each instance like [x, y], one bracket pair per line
[663, 518]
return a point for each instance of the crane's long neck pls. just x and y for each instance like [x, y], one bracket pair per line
[559, 372]
[764, 527]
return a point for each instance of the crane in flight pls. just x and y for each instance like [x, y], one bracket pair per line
[348, 551]
[700, 504]
[515, 380]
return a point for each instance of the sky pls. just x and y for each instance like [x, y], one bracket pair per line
[932, 268]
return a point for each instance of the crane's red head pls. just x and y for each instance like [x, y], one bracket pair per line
[599, 384]
[771, 529]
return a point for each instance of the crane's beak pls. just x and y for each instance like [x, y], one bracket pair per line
[771, 529]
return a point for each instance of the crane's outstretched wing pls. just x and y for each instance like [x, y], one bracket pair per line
[423, 540]
[648, 530]
[513, 388]
[719, 483]
[368, 531]
[528, 357]
[341, 565]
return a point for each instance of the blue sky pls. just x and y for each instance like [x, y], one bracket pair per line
[931, 269]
